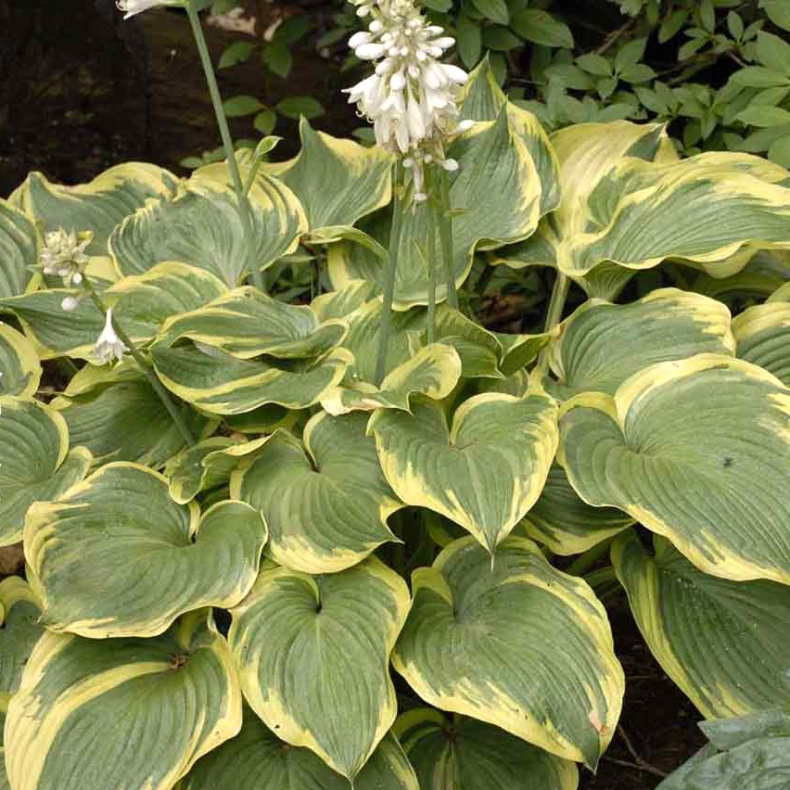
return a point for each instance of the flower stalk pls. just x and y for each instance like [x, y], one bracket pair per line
[227, 142]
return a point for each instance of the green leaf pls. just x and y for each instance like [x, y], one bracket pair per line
[325, 501]
[469, 41]
[217, 383]
[35, 461]
[630, 54]
[491, 642]
[142, 560]
[270, 765]
[296, 107]
[677, 459]
[237, 52]
[277, 58]
[265, 121]
[18, 250]
[602, 345]
[247, 323]
[360, 178]
[709, 635]
[292, 29]
[495, 10]
[119, 416]
[20, 370]
[442, 6]
[82, 702]
[500, 39]
[773, 52]
[484, 473]
[565, 523]
[468, 753]
[690, 48]
[762, 333]
[708, 15]
[542, 28]
[760, 77]
[202, 226]
[735, 25]
[779, 152]
[239, 106]
[764, 116]
[313, 654]
[778, 12]
[672, 25]
[638, 73]
[98, 206]
[595, 64]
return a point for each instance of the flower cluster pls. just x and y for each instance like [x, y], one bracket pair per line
[411, 99]
[133, 7]
[63, 255]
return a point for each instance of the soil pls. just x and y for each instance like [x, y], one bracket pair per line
[82, 90]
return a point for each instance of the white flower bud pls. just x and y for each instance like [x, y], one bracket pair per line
[369, 51]
[358, 39]
[70, 304]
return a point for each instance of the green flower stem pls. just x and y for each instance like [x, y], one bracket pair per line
[586, 561]
[431, 209]
[227, 141]
[446, 233]
[146, 369]
[556, 305]
[392, 267]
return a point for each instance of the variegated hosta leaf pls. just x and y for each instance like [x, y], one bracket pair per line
[360, 179]
[18, 250]
[202, 226]
[20, 611]
[565, 523]
[256, 759]
[520, 645]
[763, 337]
[757, 281]
[35, 462]
[265, 419]
[20, 370]
[141, 559]
[218, 383]
[118, 416]
[724, 643]
[247, 323]
[482, 100]
[471, 755]
[495, 194]
[326, 502]
[92, 714]
[703, 209]
[485, 472]
[97, 206]
[343, 302]
[519, 350]
[140, 305]
[602, 344]
[313, 653]
[696, 450]
[206, 465]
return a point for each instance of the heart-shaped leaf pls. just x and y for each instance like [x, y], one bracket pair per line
[20, 370]
[696, 450]
[602, 344]
[326, 503]
[256, 759]
[313, 652]
[94, 713]
[470, 755]
[485, 472]
[520, 645]
[724, 643]
[141, 559]
[35, 462]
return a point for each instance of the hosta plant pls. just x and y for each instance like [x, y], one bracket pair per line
[306, 546]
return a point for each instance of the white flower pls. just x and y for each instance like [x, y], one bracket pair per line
[63, 255]
[133, 7]
[108, 345]
[69, 304]
[411, 99]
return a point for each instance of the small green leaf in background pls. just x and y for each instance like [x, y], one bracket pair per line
[500, 39]
[238, 106]
[595, 64]
[295, 106]
[760, 77]
[542, 28]
[495, 10]
[764, 116]
[238, 52]
[778, 12]
[735, 25]
[292, 29]
[773, 52]
[469, 40]
[277, 58]
[779, 151]
[671, 26]
[630, 54]
[708, 15]
[265, 121]
[442, 6]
